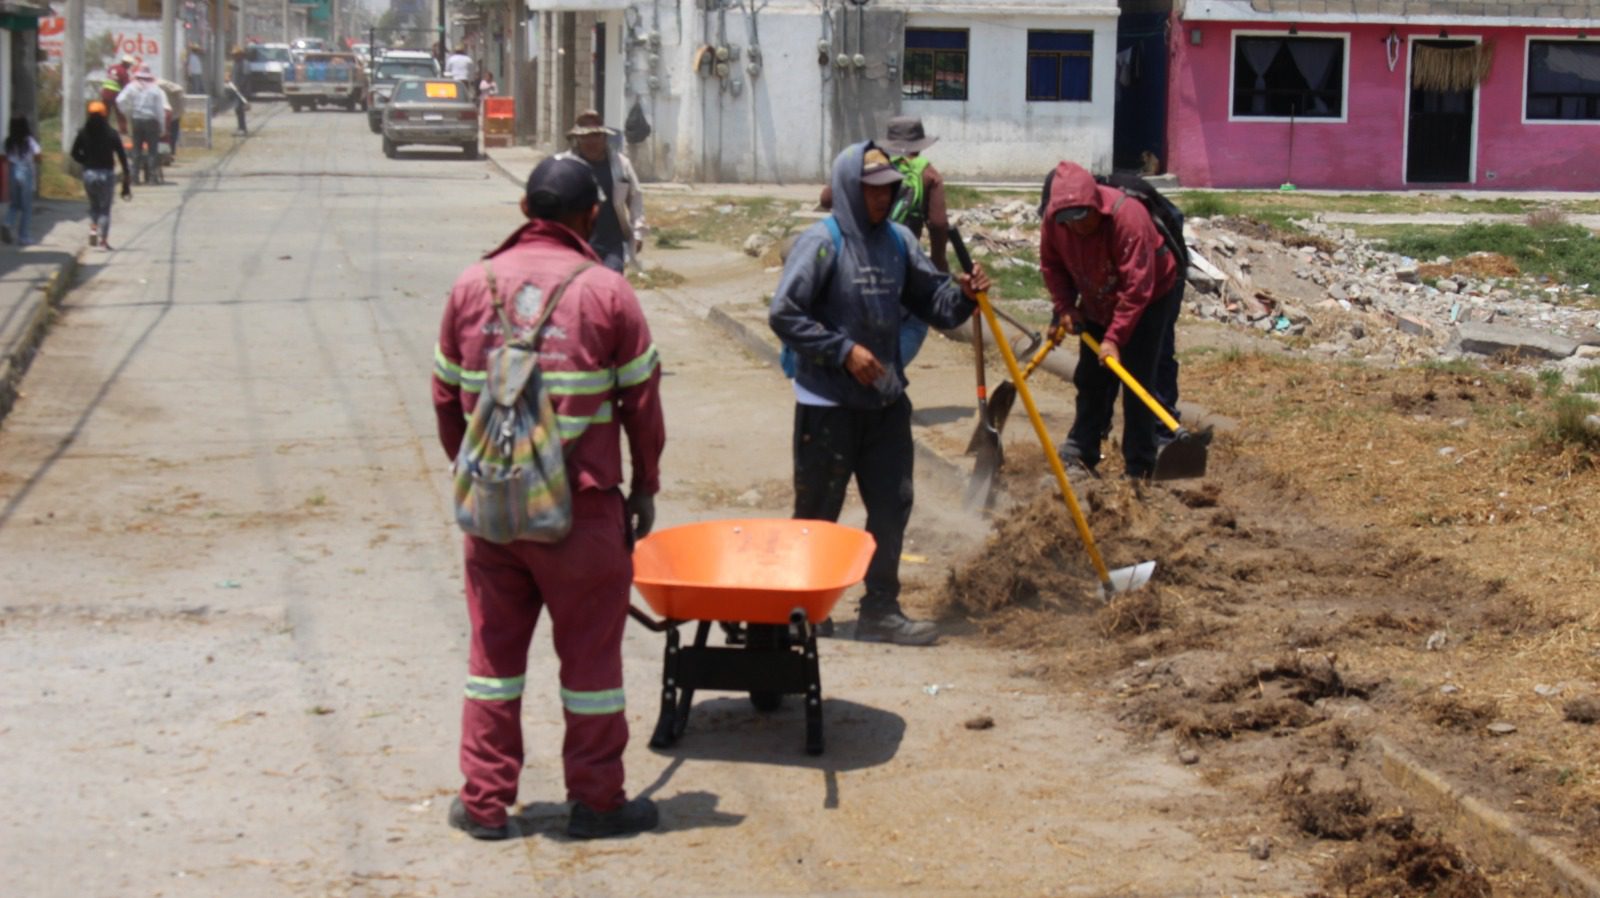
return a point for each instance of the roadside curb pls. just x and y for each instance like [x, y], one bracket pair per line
[1496, 833]
[950, 474]
[45, 296]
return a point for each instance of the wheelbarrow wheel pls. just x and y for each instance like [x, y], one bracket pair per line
[766, 701]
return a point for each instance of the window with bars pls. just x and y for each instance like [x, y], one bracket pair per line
[935, 64]
[1563, 81]
[1288, 77]
[1060, 66]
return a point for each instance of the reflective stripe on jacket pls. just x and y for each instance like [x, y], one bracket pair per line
[596, 356]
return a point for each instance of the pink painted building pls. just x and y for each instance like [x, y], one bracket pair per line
[1385, 94]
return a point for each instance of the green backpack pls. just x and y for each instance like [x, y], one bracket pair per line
[511, 475]
[911, 207]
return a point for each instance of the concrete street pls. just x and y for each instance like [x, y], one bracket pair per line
[232, 637]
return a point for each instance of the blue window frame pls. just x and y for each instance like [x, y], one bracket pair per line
[1060, 66]
[935, 64]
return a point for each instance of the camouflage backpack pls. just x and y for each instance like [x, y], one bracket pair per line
[510, 475]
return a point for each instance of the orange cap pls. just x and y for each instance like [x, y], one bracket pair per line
[97, 108]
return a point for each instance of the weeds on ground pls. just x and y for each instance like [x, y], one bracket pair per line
[673, 238]
[1017, 277]
[956, 197]
[1550, 382]
[1567, 426]
[55, 181]
[1588, 380]
[1562, 251]
[1206, 205]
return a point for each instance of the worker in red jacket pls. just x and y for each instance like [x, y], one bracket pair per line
[601, 369]
[1110, 273]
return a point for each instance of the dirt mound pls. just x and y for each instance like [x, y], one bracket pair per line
[1478, 265]
[1387, 867]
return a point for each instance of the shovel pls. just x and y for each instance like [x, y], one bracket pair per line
[985, 440]
[1005, 395]
[1182, 458]
[1111, 582]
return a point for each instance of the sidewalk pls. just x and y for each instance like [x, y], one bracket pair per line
[32, 281]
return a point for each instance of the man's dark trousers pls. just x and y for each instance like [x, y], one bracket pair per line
[1097, 391]
[833, 444]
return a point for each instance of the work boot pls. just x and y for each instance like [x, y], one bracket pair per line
[636, 816]
[896, 628]
[460, 819]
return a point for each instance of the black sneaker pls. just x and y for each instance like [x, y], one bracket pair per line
[636, 816]
[896, 628]
[460, 819]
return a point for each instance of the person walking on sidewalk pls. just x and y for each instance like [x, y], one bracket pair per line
[597, 358]
[620, 231]
[1109, 272]
[22, 159]
[235, 89]
[838, 306]
[146, 106]
[95, 149]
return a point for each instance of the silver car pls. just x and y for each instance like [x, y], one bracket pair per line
[430, 112]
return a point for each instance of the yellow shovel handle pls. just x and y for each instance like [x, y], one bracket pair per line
[1044, 441]
[1127, 379]
[1048, 347]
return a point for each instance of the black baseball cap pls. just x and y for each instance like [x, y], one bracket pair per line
[558, 187]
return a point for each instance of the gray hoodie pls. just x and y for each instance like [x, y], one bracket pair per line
[826, 305]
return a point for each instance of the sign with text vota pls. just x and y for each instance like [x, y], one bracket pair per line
[107, 38]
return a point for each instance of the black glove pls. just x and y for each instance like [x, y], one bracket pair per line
[641, 514]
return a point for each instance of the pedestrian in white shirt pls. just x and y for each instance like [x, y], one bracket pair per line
[147, 108]
[22, 155]
[458, 67]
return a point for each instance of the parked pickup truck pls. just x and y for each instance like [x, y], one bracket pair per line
[325, 79]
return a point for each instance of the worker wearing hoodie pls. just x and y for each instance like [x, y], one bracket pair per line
[1109, 272]
[838, 307]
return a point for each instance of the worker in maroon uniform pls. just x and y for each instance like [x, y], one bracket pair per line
[602, 372]
[1109, 272]
[117, 77]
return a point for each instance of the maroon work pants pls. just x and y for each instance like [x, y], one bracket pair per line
[583, 581]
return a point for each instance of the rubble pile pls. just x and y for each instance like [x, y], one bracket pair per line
[1353, 298]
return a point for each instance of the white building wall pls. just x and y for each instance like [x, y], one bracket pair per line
[997, 134]
[775, 126]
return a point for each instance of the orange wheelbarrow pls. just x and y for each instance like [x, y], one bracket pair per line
[782, 577]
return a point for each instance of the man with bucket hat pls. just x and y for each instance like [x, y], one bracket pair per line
[620, 230]
[922, 200]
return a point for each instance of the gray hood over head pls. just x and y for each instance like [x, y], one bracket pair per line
[832, 299]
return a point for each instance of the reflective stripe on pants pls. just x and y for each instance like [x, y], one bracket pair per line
[583, 581]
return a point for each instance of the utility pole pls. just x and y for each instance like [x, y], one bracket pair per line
[72, 74]
[444, 32]
[169, 40]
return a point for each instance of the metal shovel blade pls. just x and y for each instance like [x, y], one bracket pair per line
[1127, 579]
[986, 446]
[1184, 458]
[1005, 396]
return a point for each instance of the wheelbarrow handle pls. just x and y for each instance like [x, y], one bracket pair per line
[1155, 407]
[648, 622]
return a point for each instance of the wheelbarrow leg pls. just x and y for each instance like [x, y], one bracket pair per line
[667, 728]
[685, 693]
[813, 694]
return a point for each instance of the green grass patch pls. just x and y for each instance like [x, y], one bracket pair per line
[1589, 380]
[1564, 252]
[956, 197]
[1550, 382]
[673, 238]
[1018, 278]
[1208, 204]
[55, 182]
[1566, 426]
